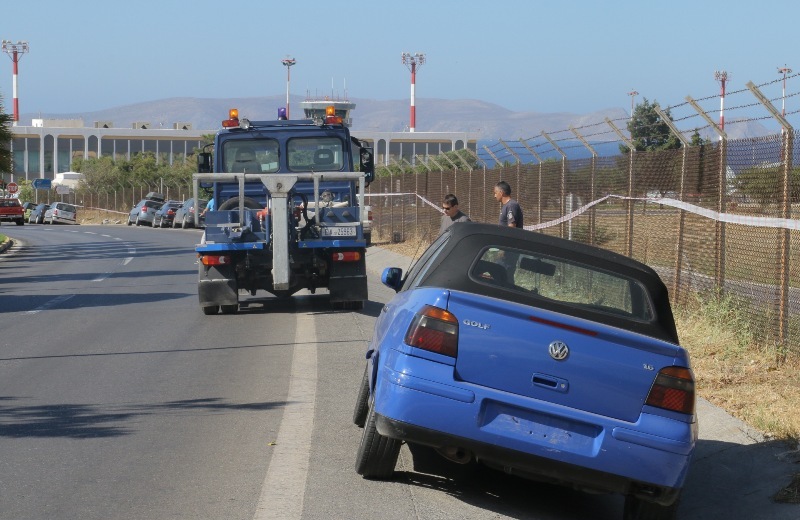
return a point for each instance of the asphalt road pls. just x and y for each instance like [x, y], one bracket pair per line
[119, 399]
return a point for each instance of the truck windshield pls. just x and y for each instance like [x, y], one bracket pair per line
[250, 156]
[315, 154]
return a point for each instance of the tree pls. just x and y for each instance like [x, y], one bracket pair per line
[648, 131]
[6, 121]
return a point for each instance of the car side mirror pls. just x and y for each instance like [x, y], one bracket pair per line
[392, 277]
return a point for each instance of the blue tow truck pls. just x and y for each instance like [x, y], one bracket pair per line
[275, 227]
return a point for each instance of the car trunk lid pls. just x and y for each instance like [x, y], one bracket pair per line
[562, 359]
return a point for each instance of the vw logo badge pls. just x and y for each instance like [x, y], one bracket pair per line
[558, 350]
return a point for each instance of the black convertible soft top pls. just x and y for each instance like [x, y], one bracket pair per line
[464, 242]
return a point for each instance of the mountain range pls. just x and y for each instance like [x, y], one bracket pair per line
[485, 120]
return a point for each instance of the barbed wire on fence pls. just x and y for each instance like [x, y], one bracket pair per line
[740, 103]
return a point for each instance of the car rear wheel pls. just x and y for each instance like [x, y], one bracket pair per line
[210, 310]
[362, 400]
[377, 455]
[638, 509]
[137, 222]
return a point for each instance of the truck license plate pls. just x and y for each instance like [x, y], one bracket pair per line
[338, 231]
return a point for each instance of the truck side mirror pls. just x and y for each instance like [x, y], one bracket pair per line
[367, 164]
[204, 162]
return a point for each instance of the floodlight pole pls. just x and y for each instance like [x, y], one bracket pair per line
[722, 77]
[411, 61]
[784, 70]
[633, 95]
[15, 52]
[288, 62]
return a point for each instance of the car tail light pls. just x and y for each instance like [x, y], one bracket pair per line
[673, 390]
[171, 212]
[215, 259]
[435, 330]
[347, 256]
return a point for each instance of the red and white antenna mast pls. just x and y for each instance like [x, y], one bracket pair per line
[15, 52]
[412, 61]
[722, 77]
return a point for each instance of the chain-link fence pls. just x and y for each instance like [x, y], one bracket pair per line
[714, 217]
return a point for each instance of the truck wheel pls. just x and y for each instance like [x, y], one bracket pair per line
[377, 455]
[229, 309]
[362, 400]
[21, 222]
[211, 310]
[368, 238]
[233, 203]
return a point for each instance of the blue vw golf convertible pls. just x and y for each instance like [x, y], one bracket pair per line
[539, 356]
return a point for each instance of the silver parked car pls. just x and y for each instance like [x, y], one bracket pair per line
[61, 212]
[144, 212]
[184, 216]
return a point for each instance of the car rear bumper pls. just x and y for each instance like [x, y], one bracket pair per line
[63, 220]
[527, 465]
[419, 401]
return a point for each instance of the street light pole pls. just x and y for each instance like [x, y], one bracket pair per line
[722, 77]
[784, 70]
[632, 94]
[288, 62]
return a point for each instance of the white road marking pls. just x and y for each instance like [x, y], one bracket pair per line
[52, 303]
[284, 486]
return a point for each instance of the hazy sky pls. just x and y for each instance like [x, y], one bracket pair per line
[527, 55]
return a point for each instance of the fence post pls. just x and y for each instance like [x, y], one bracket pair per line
[682, 222]
[539, 195]
[719, 267]
[563, 226]
[786, 213]
[629, 144]
[592, 194]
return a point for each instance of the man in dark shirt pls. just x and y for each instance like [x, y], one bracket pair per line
[451, 213]
[511, 216]
[510, 212]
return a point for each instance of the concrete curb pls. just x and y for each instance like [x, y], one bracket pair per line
[6, 245]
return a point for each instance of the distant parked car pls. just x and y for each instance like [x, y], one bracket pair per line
[166, 214]
[61, 213]
[27, 207]
[37, 214]
[184, 216]
[144, 212]
[534, 355]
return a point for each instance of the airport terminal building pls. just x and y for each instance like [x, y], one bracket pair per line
[49, 146]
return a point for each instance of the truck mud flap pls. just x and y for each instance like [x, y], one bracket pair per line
[214, 288]
[348, 281]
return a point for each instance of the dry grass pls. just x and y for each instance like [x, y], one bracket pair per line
[101, 217]
[753, 382]
[756, 383]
